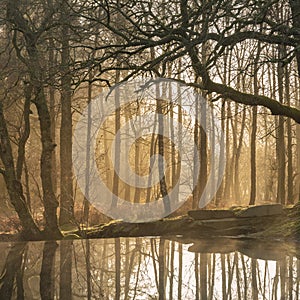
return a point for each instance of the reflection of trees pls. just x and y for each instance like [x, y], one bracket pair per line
[161, 268]
[12, 273]
[48, 270]
[203, 276]
[117, 268]
[254, 279]
[65, 285]
[147, 268]
[88, 269]
[153, 268]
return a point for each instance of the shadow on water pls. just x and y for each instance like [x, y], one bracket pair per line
[150, 268]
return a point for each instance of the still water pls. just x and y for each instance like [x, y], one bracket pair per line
[149, 268]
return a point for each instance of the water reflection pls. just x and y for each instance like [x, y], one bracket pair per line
[149, 268]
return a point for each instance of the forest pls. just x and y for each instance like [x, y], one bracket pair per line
[57, 56]
[128, 118]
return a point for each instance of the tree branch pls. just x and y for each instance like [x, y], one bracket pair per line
[274, 106]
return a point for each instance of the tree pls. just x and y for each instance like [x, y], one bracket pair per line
[175, 32]
[254, 131]
[178, 30]
[211, 46]
[66, 177]
[29, 37]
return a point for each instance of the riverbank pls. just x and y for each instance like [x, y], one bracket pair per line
[271, 222]
[268, 221]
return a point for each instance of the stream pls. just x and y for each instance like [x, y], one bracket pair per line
[149, 268]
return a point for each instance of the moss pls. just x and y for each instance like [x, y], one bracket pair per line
[68, 227]
[238, 209]
[288, 227]
[285, 226]
[71, 236]
[294, 215]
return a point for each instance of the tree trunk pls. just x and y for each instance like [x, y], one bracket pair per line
[289, 136]
[161, 165]
[86, 204]
[227, 185]
[196, 156]
[254, 132]
[14, 187]
[280, 139]
[295, 8]
[137, 159]
[66, 178]
[253, 156]
[298, 160]
[117, 150]
[220, 192]
[237, 161]
[49, 199]
[52, 104]
[202, 180]
[26, 132]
